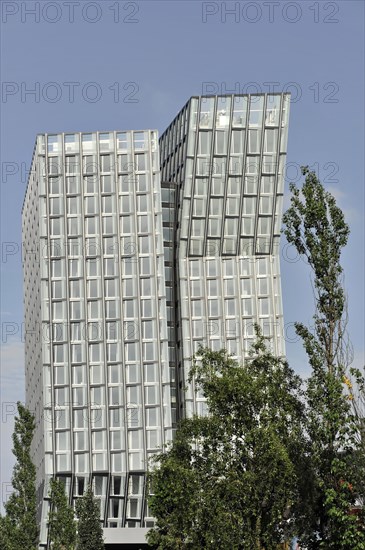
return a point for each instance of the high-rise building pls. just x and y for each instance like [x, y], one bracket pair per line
[223, 158]
[97, 372]
[127, 270]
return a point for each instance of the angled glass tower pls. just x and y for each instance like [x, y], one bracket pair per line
[222, 163]
[135, 254]
[97, 374]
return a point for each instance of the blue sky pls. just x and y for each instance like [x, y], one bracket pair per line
[132, 65]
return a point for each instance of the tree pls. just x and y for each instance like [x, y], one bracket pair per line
[356, 388]
[61, 522]
[6, 534]
[315, 225]
[229, 479]
[89, 530]
[19, 528]
[355, 383]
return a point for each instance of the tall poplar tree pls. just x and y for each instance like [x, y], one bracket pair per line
[89, 529]
[61, 520]
[19, 528]
[316, 227]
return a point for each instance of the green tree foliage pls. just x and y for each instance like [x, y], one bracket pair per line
[315, 225]
[229, 479]
[19, 527]
[356, 388]
[6, 534]
[89, 529]
[61, 521]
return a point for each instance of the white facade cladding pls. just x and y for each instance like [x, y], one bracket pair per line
[130, 264]
[97, 372]
[223, 159]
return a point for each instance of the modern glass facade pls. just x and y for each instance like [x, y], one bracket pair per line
[98, 376]
[130, 262]
[223, 158]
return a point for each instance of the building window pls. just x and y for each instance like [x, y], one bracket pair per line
[73, 226]
[114, 373]
[71, 167]
[73, 205]
[105, 163]
[91, 206]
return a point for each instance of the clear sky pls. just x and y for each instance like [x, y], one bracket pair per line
[131, 65]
